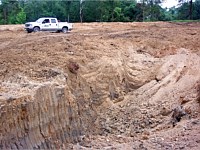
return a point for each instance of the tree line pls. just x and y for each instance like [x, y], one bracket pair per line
[21, 11]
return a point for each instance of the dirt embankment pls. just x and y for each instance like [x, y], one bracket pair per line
[101, 86]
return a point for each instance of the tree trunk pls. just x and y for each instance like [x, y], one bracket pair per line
[143, 11]
[190, 10]
[5, 15]
[81, 11]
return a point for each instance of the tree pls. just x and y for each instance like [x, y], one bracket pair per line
[171, 13]
[19, 11]
[130, 11]
[117, 15]
[190, 6]
[21, 17]
[11, 12]
[196, 10]
[151, 9]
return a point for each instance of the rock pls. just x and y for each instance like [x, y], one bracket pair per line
[73, 67]
[177, 114]
[165, 112]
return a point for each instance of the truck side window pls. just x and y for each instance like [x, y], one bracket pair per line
[53, 20]
[46, 21]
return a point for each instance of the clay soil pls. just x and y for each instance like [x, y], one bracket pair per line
[121, 63]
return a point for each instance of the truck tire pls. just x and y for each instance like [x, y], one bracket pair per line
[28, 31]
[64, 29]
[36, 29]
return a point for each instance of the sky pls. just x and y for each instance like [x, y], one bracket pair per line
[169, 3]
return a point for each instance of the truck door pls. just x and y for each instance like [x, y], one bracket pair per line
[54, 24]
[46, 25]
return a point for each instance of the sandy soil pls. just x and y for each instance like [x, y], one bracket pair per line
[127, 68]
[31, 53]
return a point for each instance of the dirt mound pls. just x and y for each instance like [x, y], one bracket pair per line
[102, 86]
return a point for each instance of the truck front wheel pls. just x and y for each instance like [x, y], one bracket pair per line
[64, 29]
[36, 29]
[29, 31]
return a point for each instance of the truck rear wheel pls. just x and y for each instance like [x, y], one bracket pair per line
[36, 29]
[64, 29]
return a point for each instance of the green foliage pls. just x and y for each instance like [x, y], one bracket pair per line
[21, 17]
[171, 14]
[20, 11]
[117, 14]
[89, 13]
[1, 19]
[184, 11]
[130, 11]
[153, 11]
[196, 10]
[185, 21]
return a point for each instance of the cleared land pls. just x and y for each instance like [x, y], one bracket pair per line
[125, 86]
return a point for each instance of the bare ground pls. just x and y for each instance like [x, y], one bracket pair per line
[144, 79]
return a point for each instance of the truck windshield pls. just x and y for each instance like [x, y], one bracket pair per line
[39, 20]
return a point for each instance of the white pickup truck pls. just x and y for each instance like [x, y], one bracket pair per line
[48, 24]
